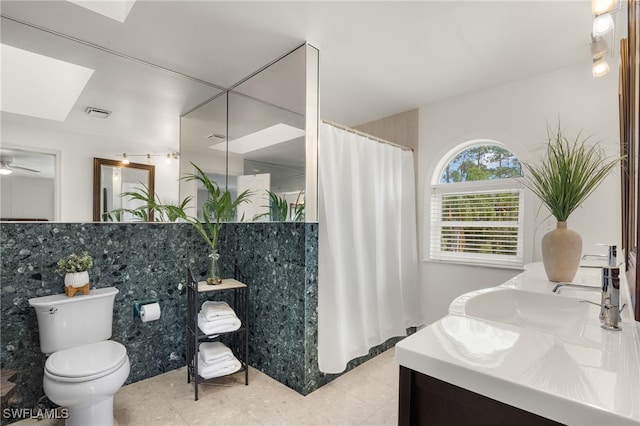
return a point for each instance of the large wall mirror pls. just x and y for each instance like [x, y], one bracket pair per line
[255, 137]
[111, 180]
[155, 111]
[146, 103]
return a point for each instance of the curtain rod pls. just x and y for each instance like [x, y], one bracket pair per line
[366, 135]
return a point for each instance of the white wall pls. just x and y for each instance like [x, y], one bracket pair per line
[26, 197]
[516, 114]
[76, 152]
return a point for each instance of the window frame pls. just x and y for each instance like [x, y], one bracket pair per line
[437, 190]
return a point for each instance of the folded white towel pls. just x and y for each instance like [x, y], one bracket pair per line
[219, 369]
[212, 310]
[212, 352]
[218, 326]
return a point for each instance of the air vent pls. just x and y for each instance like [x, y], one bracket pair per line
[97, 112]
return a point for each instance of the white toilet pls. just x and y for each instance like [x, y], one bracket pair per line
[84, 369]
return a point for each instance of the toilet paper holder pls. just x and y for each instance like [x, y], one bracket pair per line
[137, 306]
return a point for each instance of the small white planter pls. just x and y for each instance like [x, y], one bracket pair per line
[76, 279]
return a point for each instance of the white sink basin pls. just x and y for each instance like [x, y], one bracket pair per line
[555, 314]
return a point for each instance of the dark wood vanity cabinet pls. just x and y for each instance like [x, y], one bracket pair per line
[424, 400]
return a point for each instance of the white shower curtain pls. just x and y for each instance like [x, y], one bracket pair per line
[368, 262]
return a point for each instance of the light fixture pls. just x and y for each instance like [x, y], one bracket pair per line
[5, 169]
[168, 157]
[598, 7]
[600, 67]
[599, 47]
[602, 24]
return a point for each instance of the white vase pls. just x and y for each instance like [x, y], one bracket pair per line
[76, 279]
[561, 251]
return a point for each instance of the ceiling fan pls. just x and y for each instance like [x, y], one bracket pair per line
[6, 166]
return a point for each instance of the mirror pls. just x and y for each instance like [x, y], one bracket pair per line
[201, 129]
[146, 103]
[111, 179]
[254, 138]
[629, 97]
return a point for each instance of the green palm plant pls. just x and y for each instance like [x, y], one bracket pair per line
[219, 208]
[568, 174]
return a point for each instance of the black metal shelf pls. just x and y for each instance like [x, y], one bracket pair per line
[240, 304]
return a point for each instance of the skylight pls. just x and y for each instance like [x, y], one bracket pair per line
[264, 138]
[39, 86]
[117, 10]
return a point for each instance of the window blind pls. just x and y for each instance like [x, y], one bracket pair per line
[477, 226]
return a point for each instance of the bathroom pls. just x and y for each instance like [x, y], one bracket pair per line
[147, 261]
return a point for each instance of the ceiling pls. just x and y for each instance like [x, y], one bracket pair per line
[376, 58]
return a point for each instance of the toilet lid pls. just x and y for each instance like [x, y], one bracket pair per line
[86, 362]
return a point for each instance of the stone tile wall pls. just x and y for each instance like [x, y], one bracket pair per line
[147, 261]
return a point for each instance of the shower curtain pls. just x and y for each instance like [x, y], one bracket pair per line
[368, 262]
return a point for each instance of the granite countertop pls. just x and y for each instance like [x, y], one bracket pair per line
[588, 376]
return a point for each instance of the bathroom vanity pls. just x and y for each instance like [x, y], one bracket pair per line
[521, 354]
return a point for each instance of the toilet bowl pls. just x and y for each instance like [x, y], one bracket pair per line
[85, 378]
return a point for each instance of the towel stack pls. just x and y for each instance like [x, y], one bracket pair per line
[217, 317]
[215, 360]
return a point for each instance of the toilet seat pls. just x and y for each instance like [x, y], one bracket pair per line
[87, 362]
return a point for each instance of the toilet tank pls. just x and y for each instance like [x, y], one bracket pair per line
[65, 322]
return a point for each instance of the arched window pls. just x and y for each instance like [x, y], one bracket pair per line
[477, 206]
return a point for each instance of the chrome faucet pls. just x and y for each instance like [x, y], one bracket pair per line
[610, 286]
[559, 286]
[610, 305]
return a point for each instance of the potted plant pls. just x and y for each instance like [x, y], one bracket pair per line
[219, 208]
[567, 174]
[75, 269]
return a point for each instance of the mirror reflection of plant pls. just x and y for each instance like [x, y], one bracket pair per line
[151, 208]
[298, 209]
[279, 209]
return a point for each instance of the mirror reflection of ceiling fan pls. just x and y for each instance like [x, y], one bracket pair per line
[7, 166]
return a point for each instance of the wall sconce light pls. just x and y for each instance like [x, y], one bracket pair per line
[168, 159]
[602, 24]
[598, 7]
[149, 160]
[600, 67]
[599, 47]
[125, 159]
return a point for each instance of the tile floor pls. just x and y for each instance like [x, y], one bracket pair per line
[366, 395]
